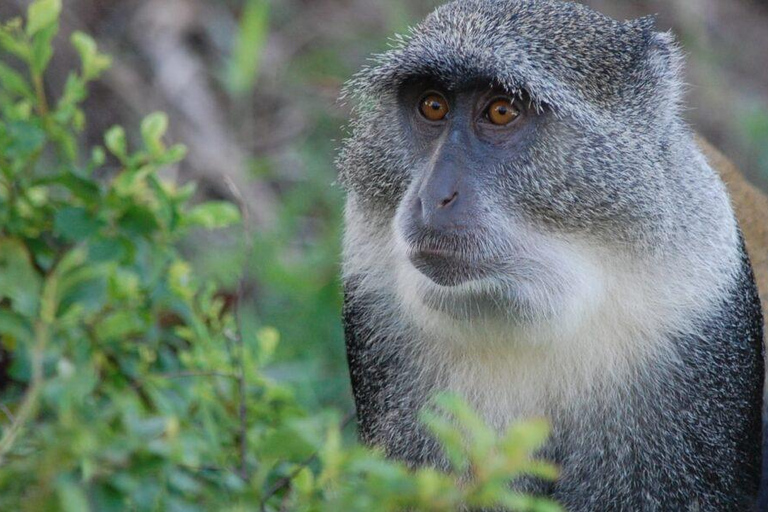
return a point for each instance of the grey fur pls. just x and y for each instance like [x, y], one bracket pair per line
[624, 308]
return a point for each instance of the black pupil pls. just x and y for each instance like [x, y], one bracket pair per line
[435, 105]
[501, 110]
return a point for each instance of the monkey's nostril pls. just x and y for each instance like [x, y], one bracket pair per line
[417, 206]
[447, 201]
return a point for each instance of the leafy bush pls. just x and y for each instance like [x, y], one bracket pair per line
[126, 382]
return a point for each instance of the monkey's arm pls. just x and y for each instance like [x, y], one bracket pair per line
[366, 381]
[387, 396]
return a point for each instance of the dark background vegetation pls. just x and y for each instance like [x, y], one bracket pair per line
[251, 88]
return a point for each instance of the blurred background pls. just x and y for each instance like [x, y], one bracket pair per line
[251, 87]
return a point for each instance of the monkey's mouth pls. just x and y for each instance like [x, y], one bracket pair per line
[446, 267]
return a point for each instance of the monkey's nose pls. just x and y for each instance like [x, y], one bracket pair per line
[440, 212]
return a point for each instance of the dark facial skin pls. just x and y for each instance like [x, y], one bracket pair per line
[460, 137]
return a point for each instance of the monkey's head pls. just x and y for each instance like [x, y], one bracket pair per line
[506, 163]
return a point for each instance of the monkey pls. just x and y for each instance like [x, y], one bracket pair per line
[530, 223]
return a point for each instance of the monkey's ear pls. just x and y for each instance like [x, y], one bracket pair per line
[661, 64]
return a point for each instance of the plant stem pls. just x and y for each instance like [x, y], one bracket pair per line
[242, 384]
[42, 101]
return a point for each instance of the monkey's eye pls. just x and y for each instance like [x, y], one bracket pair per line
[434, 107]
[502, 111]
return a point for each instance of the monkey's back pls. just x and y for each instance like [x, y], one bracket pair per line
[751, 206]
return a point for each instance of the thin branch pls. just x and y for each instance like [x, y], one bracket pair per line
[243, 385]
[46, 318]
[29, 403]
[184, 375]
[7, 412]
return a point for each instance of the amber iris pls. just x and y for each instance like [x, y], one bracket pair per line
[502, 111]
[434, 107]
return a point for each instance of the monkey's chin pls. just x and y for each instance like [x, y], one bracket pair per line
[463, 293]
[445, 269]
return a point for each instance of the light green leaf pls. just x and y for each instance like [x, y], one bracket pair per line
[94, 63]
[526, 437]
[74, 92]
[42, 49]
[268, 338]
[304, 481]
[72, 498]
[175, 154]
[449, 436]
[98, 156]
[119, 325]
[10, 42]
[42, 14]
[153, 127]
[115, 141]
[132, 181]
[213, 215]
[251, 38]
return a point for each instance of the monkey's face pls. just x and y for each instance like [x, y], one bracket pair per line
[466, 222]
[449, 211]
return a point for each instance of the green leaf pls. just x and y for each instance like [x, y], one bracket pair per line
[251, 38]
[185, 192]
[84, 189]
[85, 288]
[13, 328]
[449, 436]
[14, 83]
[132, 181]
[25, 138]
[72, 498]
[75, 224]
[212, 215]
[74, 94]
[41, 15]
[295, 441]
[11, 42]
[138, 220]
[174, 154]
[98, 157]
[526, 437]
[104, 249]
[94, 63]
[19, 281]
[153, 127]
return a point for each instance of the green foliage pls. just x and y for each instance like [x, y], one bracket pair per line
[129, 383]
[252, 34]
[753, 124]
